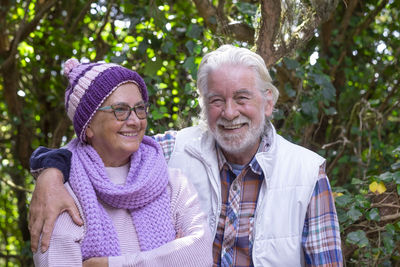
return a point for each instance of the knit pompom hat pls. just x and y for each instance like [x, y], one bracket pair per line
[89, 86]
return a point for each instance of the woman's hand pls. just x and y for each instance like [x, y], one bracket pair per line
[97, 261]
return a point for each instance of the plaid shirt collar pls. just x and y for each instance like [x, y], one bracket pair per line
[264, 146]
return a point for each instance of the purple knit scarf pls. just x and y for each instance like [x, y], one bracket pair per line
[144, 195]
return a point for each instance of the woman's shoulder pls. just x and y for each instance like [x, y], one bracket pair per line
[180, 187]
[178, 180]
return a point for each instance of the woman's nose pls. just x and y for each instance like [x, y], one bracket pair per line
[132, 119]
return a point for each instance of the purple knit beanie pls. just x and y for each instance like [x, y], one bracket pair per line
[89, 86]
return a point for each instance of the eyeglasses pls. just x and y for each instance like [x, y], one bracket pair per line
[122, 111]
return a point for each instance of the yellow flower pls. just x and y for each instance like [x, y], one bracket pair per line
[336, 194]
[377, 188]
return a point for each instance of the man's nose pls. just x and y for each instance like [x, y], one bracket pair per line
[230, 111]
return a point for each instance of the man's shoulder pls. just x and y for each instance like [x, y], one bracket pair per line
[191, 131]
[192, 135]
[289, 148]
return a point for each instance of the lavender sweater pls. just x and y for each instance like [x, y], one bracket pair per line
[193, 248]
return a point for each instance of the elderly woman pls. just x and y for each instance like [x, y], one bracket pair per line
[136, 212]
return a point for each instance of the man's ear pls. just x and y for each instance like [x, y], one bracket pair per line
[269, 104]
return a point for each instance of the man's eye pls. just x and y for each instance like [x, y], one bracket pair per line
[216, 101]
[242, 99]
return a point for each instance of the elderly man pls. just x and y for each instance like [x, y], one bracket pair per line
[268, 201]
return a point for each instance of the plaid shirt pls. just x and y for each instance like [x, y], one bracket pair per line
[249, 180]
[321, 234]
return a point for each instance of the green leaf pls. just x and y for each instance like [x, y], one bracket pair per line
[396, 166]
[388, 243]
[213, 20]
[396, 150]
[319, 79]
[190, 46]
[119, 59]
[396, 177]
[362, 202]
[354, 214]
[328, 91]
[247, 8]
[330, 111]
[397, 226]
[358, 238]
[191, 66]
[291, 64]
[142, 48]
[342, 216]
[310, 108]
[343, 200]
[188, 88]
[152, 67]
[357, 181]
[156, 115]
[391, 229]
[289, 91]
[373, 215]
[168, 47]
[386, 177]
[195, 31]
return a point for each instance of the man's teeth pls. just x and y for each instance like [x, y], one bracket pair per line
[231, 127]
[129, 134]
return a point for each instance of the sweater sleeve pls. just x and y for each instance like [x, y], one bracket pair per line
[193, 245]
[43, 158]
[64, 249]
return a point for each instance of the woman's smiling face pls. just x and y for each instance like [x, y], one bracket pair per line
[116, 140]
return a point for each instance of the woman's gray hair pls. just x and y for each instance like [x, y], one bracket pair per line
[229, 54]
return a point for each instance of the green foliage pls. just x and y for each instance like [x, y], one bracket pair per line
[369, 220]
[339, 96]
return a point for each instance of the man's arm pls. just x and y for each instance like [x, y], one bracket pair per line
[65, 249]
[44, 158]
[167, 142]
[50, 198]
[321, 234]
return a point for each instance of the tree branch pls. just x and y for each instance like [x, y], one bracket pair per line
[216, 20]
[363, 25]
[80, 16]
[208, 12]
[346, 20]
[270, 23]
[25, 29]
[15, 186]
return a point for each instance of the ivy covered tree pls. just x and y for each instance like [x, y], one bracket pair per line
[334, 62]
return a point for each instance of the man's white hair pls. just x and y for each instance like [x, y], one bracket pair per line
[239, 56]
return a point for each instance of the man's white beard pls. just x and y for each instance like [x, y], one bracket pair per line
[238, 143]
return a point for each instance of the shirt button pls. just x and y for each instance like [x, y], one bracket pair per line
[234, 187]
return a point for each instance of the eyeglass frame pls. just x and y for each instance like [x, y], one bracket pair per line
[111, 107]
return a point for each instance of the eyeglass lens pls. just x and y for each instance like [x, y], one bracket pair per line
[122, 111]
